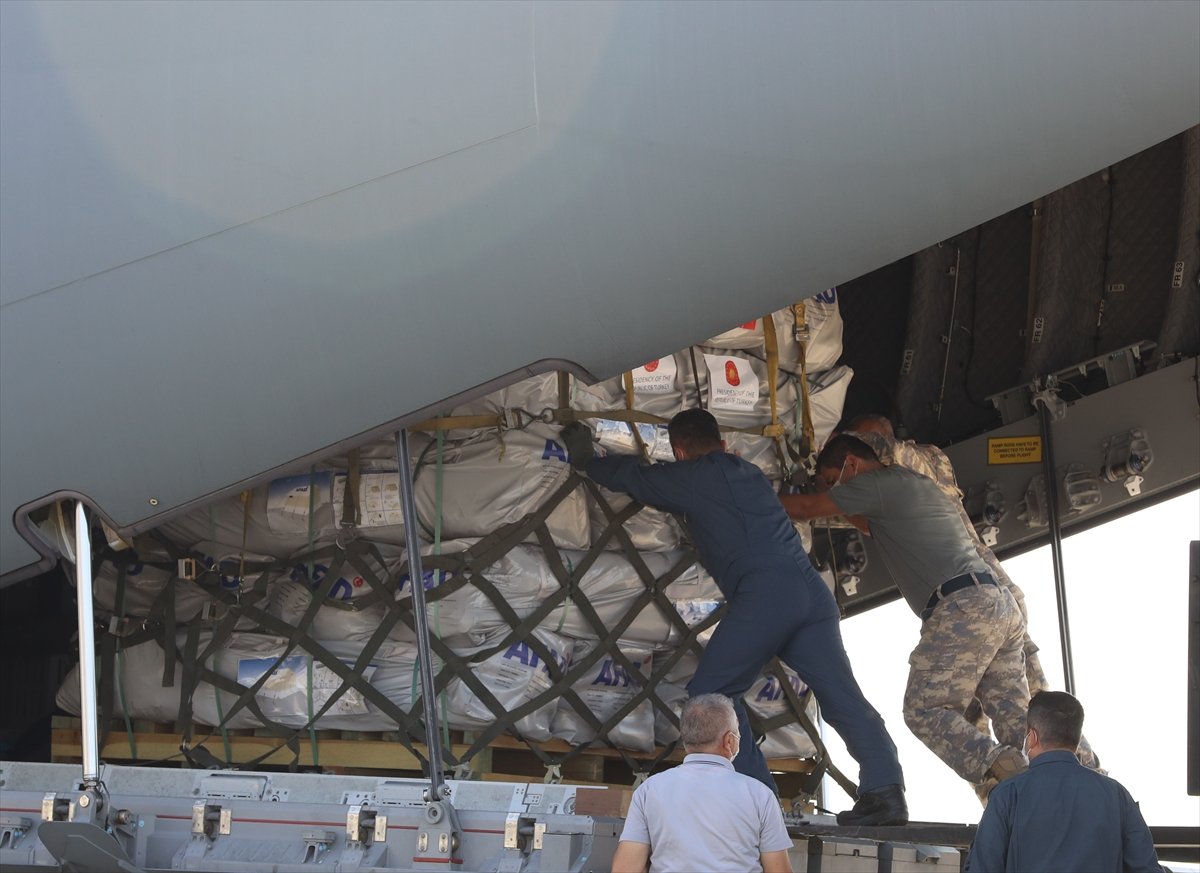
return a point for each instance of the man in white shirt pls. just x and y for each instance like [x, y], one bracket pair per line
[703, 814]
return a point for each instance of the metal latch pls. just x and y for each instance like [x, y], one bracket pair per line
[55, 808]
[365, 825]
[208, 818]
[517, 826]
[316, 844]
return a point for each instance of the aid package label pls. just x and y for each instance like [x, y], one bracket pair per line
[732, 383]
[655, 377]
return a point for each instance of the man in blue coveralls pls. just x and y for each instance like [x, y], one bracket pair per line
[778, 605]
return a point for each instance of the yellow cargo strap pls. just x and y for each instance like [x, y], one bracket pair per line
[808, 436]
[771, 342]
[564, 390]
[637, 434]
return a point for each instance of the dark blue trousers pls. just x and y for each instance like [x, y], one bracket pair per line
[798, 621]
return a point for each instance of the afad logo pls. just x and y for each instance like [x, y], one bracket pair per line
[343, 588]
[829, 296]
[524, 654]
[772, 691]
[430, 579]
[554, 450]
[732, 376]
[750, 325]
[615, 676]
[651, 366]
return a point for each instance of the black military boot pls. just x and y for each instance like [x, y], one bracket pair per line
[880, 807]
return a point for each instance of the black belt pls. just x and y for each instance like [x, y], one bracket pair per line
[958, 583]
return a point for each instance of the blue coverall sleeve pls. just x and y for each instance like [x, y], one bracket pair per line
[989, 853]
[1137, 844]
[657, 485]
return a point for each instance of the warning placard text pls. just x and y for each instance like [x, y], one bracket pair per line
[1014, 450]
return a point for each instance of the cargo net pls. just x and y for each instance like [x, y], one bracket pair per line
[579, 616]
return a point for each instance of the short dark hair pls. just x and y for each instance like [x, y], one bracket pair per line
[842, 446]
[694, 430]
[1057, 717]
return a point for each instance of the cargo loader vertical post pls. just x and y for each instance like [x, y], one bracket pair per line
[1044, 400]
[87, 648]
[440, 836]
[78, 829]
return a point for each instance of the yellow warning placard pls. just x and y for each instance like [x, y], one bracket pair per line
[1015, 450]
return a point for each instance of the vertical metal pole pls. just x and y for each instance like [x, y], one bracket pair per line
[87, 647]
[1060, 591]
[424, 652]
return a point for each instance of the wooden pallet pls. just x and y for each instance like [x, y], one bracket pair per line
[353, 752]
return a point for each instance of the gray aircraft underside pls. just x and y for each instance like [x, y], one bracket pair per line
[235, 235]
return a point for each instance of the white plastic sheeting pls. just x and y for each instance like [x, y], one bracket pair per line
[605, 687]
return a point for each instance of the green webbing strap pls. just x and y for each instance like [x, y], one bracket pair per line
[439, 475]
[222, 721]
[168, 619]
[108, 667]
[246, 698]
[312, 511]
[133, 752]
[312, 732]
[351, 513]
[654, 592]
[122, 578]
[187, 688]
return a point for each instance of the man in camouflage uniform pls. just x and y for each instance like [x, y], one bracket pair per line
[971, 644]
[932, 463]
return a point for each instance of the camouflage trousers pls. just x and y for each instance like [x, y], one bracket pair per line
[971, 647]
[1034, 675]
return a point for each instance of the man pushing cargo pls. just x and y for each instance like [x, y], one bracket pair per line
[931, 462]
[777, 604]
[972, 636]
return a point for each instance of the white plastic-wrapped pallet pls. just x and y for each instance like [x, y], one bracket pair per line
[605, 687]
[659, 388]
[234, 527]
[650, 530]
[529, 397]
[382, 562]
[151, 569]
[766, 697]
[468, 615]
[822, 337]
[612, 584]
[381, 518]
[489, 480]
[524, 580]
[515, 675]
[298, 688]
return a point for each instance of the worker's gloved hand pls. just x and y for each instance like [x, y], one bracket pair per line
[577, 437]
